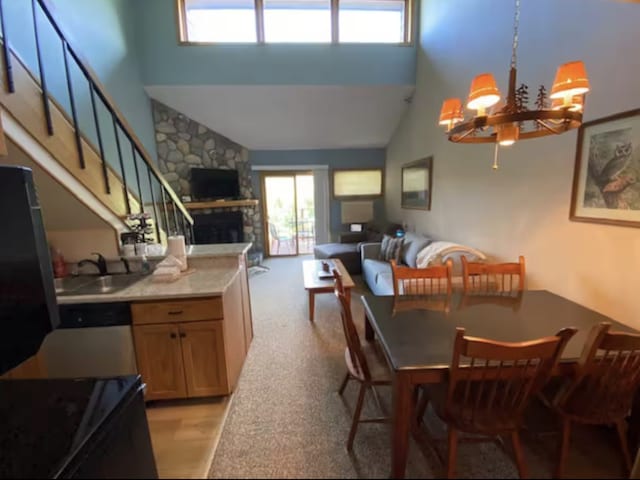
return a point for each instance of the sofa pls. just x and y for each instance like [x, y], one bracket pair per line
[377, 273]
[348, 247]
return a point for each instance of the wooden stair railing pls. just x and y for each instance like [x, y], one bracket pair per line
[26, 97]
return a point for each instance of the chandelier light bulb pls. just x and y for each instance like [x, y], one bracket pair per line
[451, 112]
[483, 93]
[508, 134]
[571, 79]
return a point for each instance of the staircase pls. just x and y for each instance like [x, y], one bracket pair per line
[102, 162]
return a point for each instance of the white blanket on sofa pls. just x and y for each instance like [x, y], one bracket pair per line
[436, 252]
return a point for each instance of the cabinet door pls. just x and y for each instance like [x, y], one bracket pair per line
[160, 360]
[204, 359]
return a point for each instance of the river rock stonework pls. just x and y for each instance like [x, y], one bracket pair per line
[183, 144]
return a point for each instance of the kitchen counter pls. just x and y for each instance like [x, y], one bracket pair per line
[203, 282]
[212, 251]
[218, 250]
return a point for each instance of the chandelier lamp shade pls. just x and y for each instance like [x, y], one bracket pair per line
[506, 122]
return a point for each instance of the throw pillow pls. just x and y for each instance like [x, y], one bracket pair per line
[390, 248]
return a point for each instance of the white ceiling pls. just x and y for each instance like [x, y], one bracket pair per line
[61, 210]
[287, 117]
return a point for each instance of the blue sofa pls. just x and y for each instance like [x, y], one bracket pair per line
[377, 273]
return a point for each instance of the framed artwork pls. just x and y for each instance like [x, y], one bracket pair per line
[606, 179]
[416, 184]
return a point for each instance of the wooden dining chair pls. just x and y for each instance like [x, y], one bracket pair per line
[491, 277]
[601, 391]
[365, 363]
[434, 280]
[489, 386]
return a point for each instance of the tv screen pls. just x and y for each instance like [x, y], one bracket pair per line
[214, 184]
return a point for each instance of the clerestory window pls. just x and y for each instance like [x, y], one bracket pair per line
[295, 21]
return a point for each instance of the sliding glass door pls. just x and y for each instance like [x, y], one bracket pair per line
[289, 212]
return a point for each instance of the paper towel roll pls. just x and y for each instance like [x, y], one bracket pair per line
[176, 246]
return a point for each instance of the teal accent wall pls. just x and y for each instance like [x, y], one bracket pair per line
[165, 62]
[335, 159]
[104, 32]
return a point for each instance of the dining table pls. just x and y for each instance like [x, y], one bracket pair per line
[417, 334]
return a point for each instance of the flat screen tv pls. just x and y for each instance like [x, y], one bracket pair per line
[214, 184]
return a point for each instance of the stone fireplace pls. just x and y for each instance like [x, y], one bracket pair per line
[218, 227]
[182, 144]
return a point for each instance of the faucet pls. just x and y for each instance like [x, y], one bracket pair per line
[101, 264]
[127, 267]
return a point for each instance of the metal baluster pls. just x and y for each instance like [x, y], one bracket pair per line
[105, 172]
[74, 113]
[156, 220]
[125, 188]
[184, 226]
[6, 52]
[135, 164]
[175, 216]
[165, 215]
[43, 81]
[192, 238]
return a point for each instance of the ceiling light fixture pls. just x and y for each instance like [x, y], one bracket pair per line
[506, 123]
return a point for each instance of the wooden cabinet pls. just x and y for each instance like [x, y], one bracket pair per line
[192, 347]
[159, 356]
[203, 356]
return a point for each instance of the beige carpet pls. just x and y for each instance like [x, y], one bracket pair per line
[288, 421]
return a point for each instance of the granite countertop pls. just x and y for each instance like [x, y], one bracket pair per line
[218, 250]
[203, 282]
[212, 250]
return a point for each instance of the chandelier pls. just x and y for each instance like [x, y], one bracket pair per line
[506, 122]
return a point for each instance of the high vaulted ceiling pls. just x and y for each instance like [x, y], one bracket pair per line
[285, 117]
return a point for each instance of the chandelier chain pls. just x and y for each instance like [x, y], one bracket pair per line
[516, 25]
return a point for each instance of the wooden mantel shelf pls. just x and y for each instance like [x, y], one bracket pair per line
[221, 204]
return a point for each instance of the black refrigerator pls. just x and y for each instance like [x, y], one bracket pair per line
[28, 308]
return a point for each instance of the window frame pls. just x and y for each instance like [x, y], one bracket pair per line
[372, 196]
[183, 34]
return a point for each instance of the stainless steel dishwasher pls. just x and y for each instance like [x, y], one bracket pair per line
[93, 340]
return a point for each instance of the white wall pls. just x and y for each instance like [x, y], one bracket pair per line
[523, 207]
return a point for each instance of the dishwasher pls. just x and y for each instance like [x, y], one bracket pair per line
[92, 340]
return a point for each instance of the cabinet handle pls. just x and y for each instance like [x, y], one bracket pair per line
[172, 335]
[176, 312]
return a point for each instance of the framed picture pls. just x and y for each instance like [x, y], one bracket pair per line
[416, 184]
[606, 180]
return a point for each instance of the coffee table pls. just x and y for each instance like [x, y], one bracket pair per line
[313, 284]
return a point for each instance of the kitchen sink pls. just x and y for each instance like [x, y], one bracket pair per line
[95, 285]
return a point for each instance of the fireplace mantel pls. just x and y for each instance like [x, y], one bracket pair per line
[220, 204]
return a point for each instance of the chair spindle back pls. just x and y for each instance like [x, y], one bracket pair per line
[434, 280]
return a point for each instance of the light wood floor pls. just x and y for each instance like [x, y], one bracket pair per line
[185, 434]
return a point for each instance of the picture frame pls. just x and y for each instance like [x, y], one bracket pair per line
[606, 178]
[416, 184]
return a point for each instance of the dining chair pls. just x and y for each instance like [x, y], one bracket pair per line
[365, 363]
[491, 277]
[489, 386]
[434, 280]
[601, 391]
[278, 239]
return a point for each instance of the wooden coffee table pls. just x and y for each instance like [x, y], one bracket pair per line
[313, 284]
